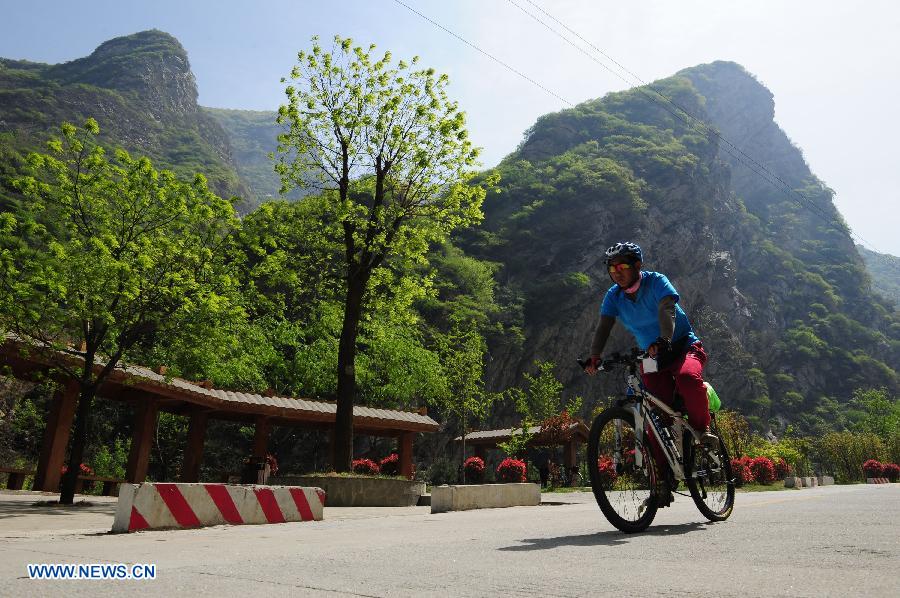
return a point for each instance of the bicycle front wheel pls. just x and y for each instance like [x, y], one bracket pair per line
[710, 479]
[625, 491]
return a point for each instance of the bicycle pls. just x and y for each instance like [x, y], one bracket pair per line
[625, 477]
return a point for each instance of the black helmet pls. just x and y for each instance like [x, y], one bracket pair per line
[624, 250]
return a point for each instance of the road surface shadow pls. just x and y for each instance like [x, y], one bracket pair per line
[610, 538]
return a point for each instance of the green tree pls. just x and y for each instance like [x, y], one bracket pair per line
[462, 358]
[103, 254]
[539, 403]
[880, 412]
[391, 154]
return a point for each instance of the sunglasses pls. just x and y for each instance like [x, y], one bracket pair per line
[619, 268]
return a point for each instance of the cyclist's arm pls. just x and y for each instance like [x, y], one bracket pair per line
[601, 335]
[666, 313]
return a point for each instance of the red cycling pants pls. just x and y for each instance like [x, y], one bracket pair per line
[685, 374]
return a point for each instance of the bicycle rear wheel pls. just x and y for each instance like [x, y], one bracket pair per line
[625, 493]
[710, 479]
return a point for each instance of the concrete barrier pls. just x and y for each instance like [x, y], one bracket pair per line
[360, 491]
[826, 480]
[793, 482]
[484, 496]
[168, 506]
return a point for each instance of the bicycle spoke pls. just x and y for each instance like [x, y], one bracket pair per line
[626, 488]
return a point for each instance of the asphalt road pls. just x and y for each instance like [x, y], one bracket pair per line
[827, 541]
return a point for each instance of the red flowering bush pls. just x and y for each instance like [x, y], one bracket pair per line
[782, 469]
[556, 429]
[763, 470]
[873, 468]
[511, 471]
[273, 464]
[82, 470]
[474, 467]
[891, 471]
[365, 466]
[607, 470]
[390, 465]
[740, 469]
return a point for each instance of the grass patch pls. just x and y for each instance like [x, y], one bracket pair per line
[773, 487]
[566, 489]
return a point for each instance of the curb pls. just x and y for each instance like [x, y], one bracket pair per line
[175, 506]
[484, 496]
[877, 481]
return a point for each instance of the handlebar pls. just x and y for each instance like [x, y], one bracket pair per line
[629, 358]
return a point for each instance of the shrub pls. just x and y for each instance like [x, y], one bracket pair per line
[474, 467]
[873, 468]
[365, 466]
[842, 452]
[782, 469]
[82, 469]
[556, 429]
[390, 465]
[763, 470]
[740, 469]
[557, 475]
[511, 471]
[891, 471]
[273, 464]
[607, 470]
[441, 471]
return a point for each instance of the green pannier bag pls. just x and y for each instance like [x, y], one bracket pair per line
[714, 402]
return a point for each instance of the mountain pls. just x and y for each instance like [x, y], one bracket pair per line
[767, 273]
[253, 136]
[885, 272]
[763, 261]
[143, 94]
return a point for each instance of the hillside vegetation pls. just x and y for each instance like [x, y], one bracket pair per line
[770, 278]
[142, 92]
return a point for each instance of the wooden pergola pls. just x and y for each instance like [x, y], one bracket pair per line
[151, 392]
[576, 435]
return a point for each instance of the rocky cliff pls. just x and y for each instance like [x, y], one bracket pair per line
[768, 274]
[142, 92]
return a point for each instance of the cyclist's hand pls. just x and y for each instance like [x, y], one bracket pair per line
[593, 364]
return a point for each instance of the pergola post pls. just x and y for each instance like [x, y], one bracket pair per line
[141, 440]
[56, 438]
[193, 455]
[329, 456]
[261, 437]
[569, 454]
[406, 449]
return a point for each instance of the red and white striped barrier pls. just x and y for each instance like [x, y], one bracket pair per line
[167, 506]
[877, 481]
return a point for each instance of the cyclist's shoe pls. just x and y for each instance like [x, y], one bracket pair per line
[664, 496]
[709, 440]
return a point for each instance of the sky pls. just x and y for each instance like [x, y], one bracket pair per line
[833, 66]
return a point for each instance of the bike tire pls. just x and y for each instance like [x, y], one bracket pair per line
[720, 480]
[630, 489]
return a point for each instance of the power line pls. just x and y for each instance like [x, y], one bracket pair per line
[680, 112]
[491, 56]
[689, 119]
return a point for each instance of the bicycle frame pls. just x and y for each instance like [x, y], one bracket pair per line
[672, 443]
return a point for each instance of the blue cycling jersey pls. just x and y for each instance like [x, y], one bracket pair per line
[641, 316]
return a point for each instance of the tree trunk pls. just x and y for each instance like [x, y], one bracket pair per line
[76, 454]
[346, 382]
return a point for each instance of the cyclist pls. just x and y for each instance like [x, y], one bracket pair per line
[647, 304]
